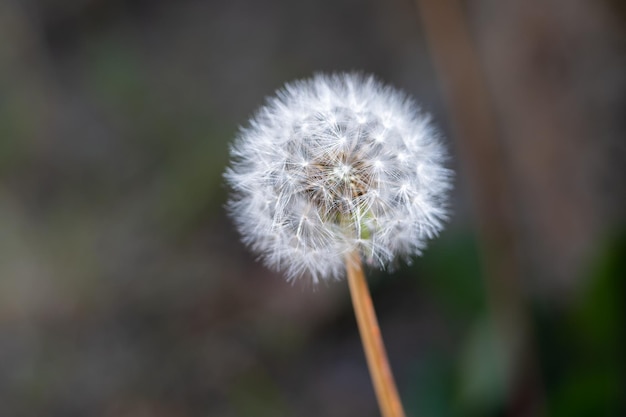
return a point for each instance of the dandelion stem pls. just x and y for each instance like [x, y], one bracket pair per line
[380, 371]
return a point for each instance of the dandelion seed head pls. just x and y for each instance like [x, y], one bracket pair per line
[337, 164]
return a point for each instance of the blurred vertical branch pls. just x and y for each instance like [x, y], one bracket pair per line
[483, 160]
[558, 84]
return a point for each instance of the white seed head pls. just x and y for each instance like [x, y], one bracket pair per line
[337, 164]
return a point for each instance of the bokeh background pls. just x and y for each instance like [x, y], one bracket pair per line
[124, 289]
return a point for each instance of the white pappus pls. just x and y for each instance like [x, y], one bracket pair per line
[336, 164]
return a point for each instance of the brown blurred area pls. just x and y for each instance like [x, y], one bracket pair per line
[124, 289]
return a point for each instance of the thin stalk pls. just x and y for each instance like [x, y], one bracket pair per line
[380, 371]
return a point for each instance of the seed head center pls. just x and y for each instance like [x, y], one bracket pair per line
[335, 184]
[342, 171]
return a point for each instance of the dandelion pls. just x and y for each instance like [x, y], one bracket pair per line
[336, 165]
[333, 170]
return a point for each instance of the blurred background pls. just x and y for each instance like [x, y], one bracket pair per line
[124, 289]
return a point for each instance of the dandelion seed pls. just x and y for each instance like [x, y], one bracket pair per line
[336, 165]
